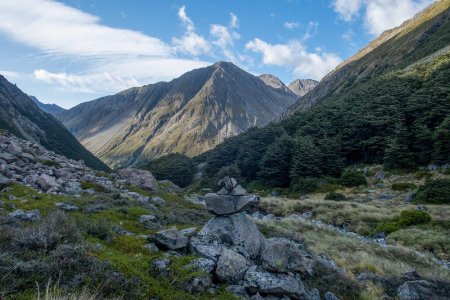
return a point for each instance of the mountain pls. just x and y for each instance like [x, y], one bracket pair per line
[395, 49]
[52, 109]
[274, 82]
[188, 115]
[390, 105]
[301, 87]
[22, 117]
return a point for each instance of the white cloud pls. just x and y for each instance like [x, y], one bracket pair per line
[190, 43]
[112, 59]
[234, 22]
[347, 9]
[385, 14]
[379, 15]
[311, 31]
[56, 28]
[291, 25]
[295, 56]
[10, 74]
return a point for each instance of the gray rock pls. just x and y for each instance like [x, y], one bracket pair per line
[416, 290]
[3, 181]
[66, 207]
[47, 182]
[152, 247]
[237, 231]
[228, 183]
[224, 204]
[314, 294]
[9, 158]
[28, 156]
[147, 218]
[238, 191]
[380, 175]
[202, 264]
[231, 266]
[14, 149]
[171, 239]
[141, 178]
[122, 231]
[330, 296]
[21, 215]
[188, 231]
[264, 282]
[198, 284]
[281, 255]
[207, 249]
[158, 201]
[161, 266]
[237, 290]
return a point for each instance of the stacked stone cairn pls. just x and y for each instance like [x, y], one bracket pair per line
[233, 251]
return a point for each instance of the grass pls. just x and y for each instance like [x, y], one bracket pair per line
[92, 186]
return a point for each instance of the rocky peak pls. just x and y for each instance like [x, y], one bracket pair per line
[301, 87]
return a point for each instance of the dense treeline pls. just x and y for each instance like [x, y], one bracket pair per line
[400, 119]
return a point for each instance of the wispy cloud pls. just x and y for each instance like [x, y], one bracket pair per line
[291, 25]
[234, 22]
[295, 56]
[379, 15]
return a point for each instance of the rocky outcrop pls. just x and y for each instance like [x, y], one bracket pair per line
[301, 87]
[140, 178]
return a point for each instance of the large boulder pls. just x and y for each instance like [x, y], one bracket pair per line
[226, 204]
[234, 231]
[231, 266]
[21, 215]
[171, 239]
[257, 280]
[282, 255]
[47, 182]
[416, 290]
[141, 178]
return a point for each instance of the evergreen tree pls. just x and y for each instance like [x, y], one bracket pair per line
[397, 154]
[274, 166]
[306, 159]
[332, 162]
[441, 137]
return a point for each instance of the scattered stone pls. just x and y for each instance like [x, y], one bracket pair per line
[140, 178]
[264, 282]
[152, 247]
[416, 290]
[330, 296]
[149, 221]
[21, 215]
[231, 266]
[47, 182]
[14, 149]
[3, 181]
[171, 239]
[66, 207]
[161, 266]
[198, 284]
[12, 197]
[237, 290]
[121, 231]
[158, 201]
[9, 158]
[282, 256]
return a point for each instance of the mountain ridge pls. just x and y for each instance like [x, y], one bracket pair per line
[188, 115]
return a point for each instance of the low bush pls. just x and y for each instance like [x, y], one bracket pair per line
[92, 186]
[434, 191]
[352, 177]
[403, 186]
[335, 196]
[406, 219]
[177, 168]
[305, 185]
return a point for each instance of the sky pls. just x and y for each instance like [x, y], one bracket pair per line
[71, 51]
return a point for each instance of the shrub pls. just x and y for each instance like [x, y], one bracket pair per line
[434, 191]
[403, 186]
[177, 168]
[94, 186]
[306, 185]
[352, 178]
[407, 218]
[335, 196]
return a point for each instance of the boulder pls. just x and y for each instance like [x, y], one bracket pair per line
[202, 264]
[231, 266]
[141, 178]
[9, 158]
[225, 204]
[330, 296]
[236, 231]
[14, 149]
[257, 280]
[227, 183]
[151, 247]
[237, 290]
[416, 290]
[122, 231]
[47, 182]
[198, 284]
[66, 207]
[3, 181]
[149, 222]
[161, 266]
[158, 201]
[207, 249]
[171, 239]
[281, 255]
[188, 231]
[238, 191]
[21, 215]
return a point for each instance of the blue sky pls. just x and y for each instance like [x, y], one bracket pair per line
[71, 51]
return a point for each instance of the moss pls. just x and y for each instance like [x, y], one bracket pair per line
[92, 186]
[403, 186]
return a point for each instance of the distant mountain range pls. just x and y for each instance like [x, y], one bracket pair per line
[189, 115]
[52, 109]
[20, 115]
